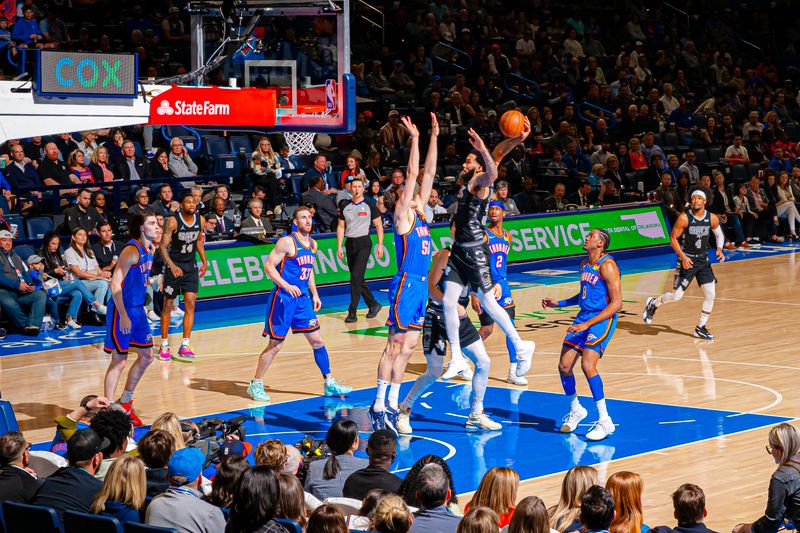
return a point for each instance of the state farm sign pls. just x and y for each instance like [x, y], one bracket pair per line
[213, 106]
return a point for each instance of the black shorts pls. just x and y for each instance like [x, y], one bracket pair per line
[469, 267]
[700, 270]
[189, 282]
[434, 333]
[487, 320]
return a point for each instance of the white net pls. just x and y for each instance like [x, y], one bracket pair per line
[300, 143]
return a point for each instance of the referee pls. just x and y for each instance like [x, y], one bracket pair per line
[354, 221]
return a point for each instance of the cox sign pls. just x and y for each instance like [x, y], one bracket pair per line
[84, 74]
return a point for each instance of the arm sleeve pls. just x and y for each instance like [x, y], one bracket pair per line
[373, 212]
[573, 300]
[66, 427]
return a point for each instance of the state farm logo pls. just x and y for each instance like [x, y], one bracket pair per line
[203, 108]
[165, 108]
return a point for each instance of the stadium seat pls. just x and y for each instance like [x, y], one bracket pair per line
[138, 151]
[24, 518]
[671, 139]
[133, 527]
[4, 204]
[191, 143]
[289, 525]
[237, 142]
[36, 227]
[214, 145]
[24, 251]
[296, 180]
[227, 165]
[753, 168]
[714, 154]
[739, 173]
[702, 156]
[75, 522]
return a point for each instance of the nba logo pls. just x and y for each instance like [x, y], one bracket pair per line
[330, 94]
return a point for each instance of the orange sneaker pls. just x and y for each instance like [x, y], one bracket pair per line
[128, 407]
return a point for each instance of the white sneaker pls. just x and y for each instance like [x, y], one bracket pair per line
[404, 422]
[482, 422]
[514, 379]
[455, 367]
[572, 419]
[467, 374]
[177, 312]
[100, 309]
[72, 324]
[601, 429]
[525, 357]
[152, 316]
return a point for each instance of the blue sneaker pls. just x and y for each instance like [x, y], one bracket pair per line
[377, 419]
[391, 420]
[334, 388]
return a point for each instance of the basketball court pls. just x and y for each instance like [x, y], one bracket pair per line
[687, 410]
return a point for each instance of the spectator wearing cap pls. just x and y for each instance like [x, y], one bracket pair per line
[74, 487]
[393, 133]
[19, 300]
[182, 506]
[381, 450]
[142, 202]
[131, 167]
[509, 205]
[18, 481]
[75, 298]
[377, 82]
[498, 62]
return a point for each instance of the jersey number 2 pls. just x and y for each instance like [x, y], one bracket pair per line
[499, 262]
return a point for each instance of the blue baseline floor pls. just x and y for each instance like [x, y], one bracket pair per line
[530, 441]
[251, 309]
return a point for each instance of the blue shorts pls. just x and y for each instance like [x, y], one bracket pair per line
[408, 301]
[139, 336]
[595, 338]
[285, 311]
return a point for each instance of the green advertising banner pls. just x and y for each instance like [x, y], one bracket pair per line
[240, 270]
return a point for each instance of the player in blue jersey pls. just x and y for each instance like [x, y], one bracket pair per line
[293, 304]
[499, 241]
[408, 291]
[127, 324]
[600, 299]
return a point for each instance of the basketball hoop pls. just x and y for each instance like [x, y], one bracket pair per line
[300, 142]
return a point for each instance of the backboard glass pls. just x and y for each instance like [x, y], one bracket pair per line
[298, 48]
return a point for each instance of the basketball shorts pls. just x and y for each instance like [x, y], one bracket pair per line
[700, 270]
[595, 338]
[469, 267]
[139, 335]
[434, 333]
[188, 282]
[408, 300]
[285, 311]
[505, 301]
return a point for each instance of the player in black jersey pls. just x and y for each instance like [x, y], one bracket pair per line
[183, 238]
[434, 346]
[695, 228]
[469, 259]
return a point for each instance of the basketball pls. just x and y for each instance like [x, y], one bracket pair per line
[512, 123]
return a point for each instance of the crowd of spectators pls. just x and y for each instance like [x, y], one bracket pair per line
[173, 477]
